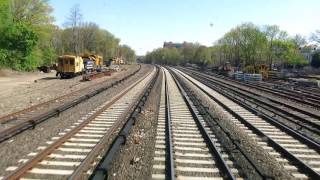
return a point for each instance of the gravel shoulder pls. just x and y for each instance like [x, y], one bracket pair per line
[21, 90]
[20, 146]
[135, 158]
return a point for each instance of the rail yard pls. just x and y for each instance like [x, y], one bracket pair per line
[159, 90]
[162, 122]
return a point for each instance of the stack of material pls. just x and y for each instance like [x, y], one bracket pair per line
[275, 75]
[238, 75]
[89, 77]
[252, 77]
[305, 82]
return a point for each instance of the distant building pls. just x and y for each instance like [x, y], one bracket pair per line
[175, 45]
[308, 51]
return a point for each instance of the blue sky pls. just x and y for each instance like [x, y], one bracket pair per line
[146, 24]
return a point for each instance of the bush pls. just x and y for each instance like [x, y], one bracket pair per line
[249, 69]
[17, 43]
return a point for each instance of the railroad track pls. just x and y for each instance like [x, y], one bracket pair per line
[299, 97]
[20, 121]
[85, 140]
[308, 125]
[31, 111]
[185, 148]
[298, 157]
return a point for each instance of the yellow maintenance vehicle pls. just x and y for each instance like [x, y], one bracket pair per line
[92, 62]
[69, 66]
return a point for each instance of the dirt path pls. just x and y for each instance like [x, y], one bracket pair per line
[10, 81]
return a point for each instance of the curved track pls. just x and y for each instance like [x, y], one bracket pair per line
[94, 131]
[20, 121]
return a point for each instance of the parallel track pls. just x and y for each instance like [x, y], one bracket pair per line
[309, 126]
[300, 159]
[32, 111]
[67, 152]
[185, 147]
[303, 108]
[299, 96]
[20, 121]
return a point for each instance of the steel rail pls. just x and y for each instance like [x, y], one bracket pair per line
[169, 147]
[234, 89]
[19, 172]
[101, 170]
[309, 113]
[290, 95]
[14, 116]
[213, 122]
[270, 119]
[214, 150]
[302, 166]
[33, 121]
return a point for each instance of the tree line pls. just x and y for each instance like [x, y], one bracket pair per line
[245, 45]
[29, 38]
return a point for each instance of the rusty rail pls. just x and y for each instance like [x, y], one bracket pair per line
[14, 116]
[19, 172]
[133, 111]
[33, 121]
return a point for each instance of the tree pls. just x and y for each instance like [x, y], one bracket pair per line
[243, 44]
[5, 15]
[315, 62]
[188, 52]
[288, 54]
[316, 36]
[169, 56]
[32, 12]
[73, 22]
[36, 15]
[127, 53]
[272, 33]
[29, 39]
[299, 40]
[88, 36]
[203, 56]
[20, 40]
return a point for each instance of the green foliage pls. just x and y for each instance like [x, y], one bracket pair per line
[127, 53]
[170, 56]
[191, 53]
[17, 43]
[29, 39]
[287, 53]
[316, 60]
[21, 38]
[34, 13]
[203, 56]
[249, 69]
[248, 45]
[48, 56]
[243, 44]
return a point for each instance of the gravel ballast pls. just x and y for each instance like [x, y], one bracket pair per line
[267, 163]
[20, 146]
[135, 158]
